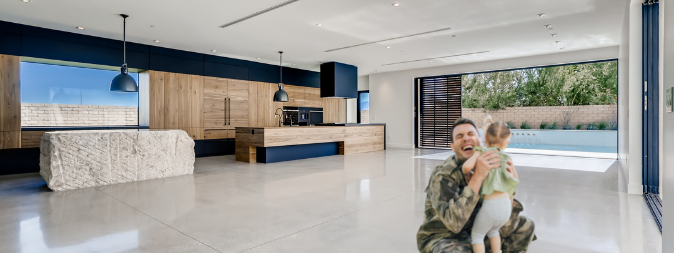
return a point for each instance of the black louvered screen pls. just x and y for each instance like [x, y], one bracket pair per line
[439, 106]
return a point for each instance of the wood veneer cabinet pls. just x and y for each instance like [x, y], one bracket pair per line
[225, 106]
[10, 102]
[176, 102]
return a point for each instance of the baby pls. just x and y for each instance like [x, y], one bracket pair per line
[496, 191]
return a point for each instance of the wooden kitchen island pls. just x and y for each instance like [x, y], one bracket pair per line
[277, 144]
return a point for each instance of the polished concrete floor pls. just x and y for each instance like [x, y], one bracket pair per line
[369, 202]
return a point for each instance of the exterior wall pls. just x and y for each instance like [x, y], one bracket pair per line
[534, 115]
[77, 115]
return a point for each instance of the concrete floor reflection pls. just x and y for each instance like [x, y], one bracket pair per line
[371, 202]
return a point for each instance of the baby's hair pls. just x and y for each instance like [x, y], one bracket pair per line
[495, 132]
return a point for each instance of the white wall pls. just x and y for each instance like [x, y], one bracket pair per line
[623, 97]
[667, 13]
[391, 93]
[635, 98]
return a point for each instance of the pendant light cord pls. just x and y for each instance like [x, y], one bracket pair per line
[281, 67]
[124, 40]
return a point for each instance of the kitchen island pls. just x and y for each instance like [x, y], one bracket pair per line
[277, 144]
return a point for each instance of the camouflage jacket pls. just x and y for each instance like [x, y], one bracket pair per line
[450, 208]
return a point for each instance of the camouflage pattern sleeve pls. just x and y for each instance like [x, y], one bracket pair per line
[453, 205]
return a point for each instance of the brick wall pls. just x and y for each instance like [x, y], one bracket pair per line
[77, 115]
[534, 115]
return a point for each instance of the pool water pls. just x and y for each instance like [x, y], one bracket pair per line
[597, 149]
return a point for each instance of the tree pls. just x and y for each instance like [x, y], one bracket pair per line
[581, 84]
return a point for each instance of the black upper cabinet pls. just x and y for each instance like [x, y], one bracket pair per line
[339, 80]
[225, 71]
[23, 40]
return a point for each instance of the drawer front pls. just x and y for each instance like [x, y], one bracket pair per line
[216, 134]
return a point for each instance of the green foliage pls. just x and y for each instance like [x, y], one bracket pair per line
[582, 84]
[613, 125]
[525, 125]
[602, 125]
[592, 126]
[553, 125]
[544, 125]
[579, 126]
[510, 124]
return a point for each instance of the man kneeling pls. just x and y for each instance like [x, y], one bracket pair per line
[453, 195]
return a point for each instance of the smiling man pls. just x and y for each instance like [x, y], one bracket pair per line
[452, 200]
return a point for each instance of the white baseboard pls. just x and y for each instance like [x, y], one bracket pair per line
[637, 189]
[399, 145]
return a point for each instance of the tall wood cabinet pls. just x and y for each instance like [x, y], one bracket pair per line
[176, 102]
[225, 106]
[10, 102]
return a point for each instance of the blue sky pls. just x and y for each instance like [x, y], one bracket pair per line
[53, 84]
[365, 101]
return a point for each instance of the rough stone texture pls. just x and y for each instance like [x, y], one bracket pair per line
[534, 115]
[79, 159]
[77, 115]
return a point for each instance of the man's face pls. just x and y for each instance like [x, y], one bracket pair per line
[465, 139]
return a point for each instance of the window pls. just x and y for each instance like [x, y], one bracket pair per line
[363, 107]
[57, 95]
[439, 105]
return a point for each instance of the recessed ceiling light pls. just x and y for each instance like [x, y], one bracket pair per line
[214, 50]
[553, 35]
[157, 41]
[540, 15]
[557, 42]
[561, 48]
[430, 61]
[258, 58]
[25, 1]
[396, 4]
[454, 36]
[548, 26]
[388, 47]
[80, 28]
[293, 64]
[319, 25]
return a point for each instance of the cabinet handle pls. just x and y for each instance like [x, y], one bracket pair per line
[229, 111]
[225, 112]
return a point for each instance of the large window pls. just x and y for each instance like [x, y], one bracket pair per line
[56, 95]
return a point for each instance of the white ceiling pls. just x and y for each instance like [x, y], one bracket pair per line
[505, 28]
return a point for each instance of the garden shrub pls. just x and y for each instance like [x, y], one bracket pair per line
[525, 125]
[602, 125]
[544, 125]
[579, 126]
[592, 126]
[553, 125]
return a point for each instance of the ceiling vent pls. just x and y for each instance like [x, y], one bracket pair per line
[430, 59]
[259, 13]
[401, 37]
[339, 80]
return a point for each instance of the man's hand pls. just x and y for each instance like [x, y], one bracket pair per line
[485, 162]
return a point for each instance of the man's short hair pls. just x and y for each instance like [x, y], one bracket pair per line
[462, 121]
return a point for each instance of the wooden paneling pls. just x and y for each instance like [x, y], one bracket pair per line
[334, 110]
[156, 100]
[176, 102]
[238, 104]
[196, 110]
[215, 96]
[352, 139]
[313, 97]
[253, 104]
[359, 139]
[264, 105]
[10, 93]
[10, 102]
[10, 139]
[31, 139]
[216, 134]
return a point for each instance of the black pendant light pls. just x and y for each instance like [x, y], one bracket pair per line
[124, 82]
[280, 95]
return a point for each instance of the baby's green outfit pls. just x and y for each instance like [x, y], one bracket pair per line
[498, 179]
